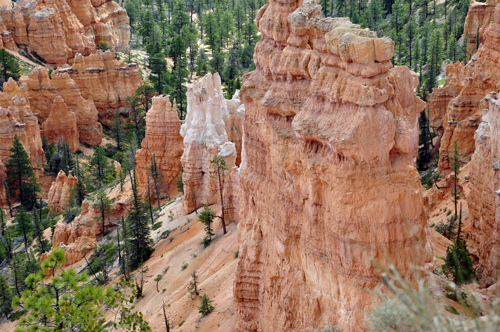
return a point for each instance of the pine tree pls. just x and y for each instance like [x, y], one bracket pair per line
[227, 26]
[3, 222]
[410, 35]
[41, 243]
[207, 217]
[435, 59]
[139, 239]
[81, 191]
[116, 131]
[6, 296]
[455, 168]
[206, 306]
[458, 262]
[24, 226]
[102, 205]
[9, 66]
[211, 32]
[220, 167]
[20, 175]
[99, 166]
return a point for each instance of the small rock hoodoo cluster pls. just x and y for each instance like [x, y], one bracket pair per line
[56, 30]
[328, 180]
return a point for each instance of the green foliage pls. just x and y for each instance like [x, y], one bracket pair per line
[157, 226]
[139, 238]
[102, 261]
[9, 66]
[184, 266]
[100, 168]
[193, 285]
[236, 254]
[21, 178]
[67, 302]
[103, 47]
[102, 205]
[6, 295]
[206, 306]
[24, 226]
[180, 184]
[458, 262]
[207, 217]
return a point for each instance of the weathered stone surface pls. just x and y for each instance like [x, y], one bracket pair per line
[105, 80]
[61, 125]
[484, 199]
[440, 98]
[79, 238]
[59, 193]
[164, 142]
[233, 114]
[479, 16]
[481, 76]
[44, 89]
[329, 186]
[56, 30]
[204, 132]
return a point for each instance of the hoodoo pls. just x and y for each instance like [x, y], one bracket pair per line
[329, 187]
[163, 142]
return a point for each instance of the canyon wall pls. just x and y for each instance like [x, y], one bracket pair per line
[478, 19]
[164, 141]
[56, 30]
[204, 132]
[480, 76]
[329, 187]
[483, 238]
[105, 80]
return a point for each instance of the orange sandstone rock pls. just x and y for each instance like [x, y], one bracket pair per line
[105, 80]
[479, 18]
[56, 30]
[42, 91]
[164, 142]
[483, 237]
[329, 187]
[204, 131]
[59, 193]
[481, 76]
[61, 125]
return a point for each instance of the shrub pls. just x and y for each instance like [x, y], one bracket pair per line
[458, 263]
[206, 306]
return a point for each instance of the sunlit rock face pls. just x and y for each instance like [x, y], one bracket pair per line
[479, 18]
[329, 187]
[56, 30]
[209, 118]
[61, 125]
[60, 192]
[465, 88]
[483, 237]
[163, 142]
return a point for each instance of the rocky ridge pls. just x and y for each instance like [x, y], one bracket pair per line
[56, 30]
[329, 187]
[463, 113]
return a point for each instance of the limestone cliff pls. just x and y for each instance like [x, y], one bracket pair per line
[329, 187]
[56, 30]
[105, 80]
[61, 125]
[204, 132]
[481, 76]
[60, 191]
[164, 142]
[484, 200]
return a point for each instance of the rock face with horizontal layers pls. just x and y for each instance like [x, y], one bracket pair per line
[233, 114]
[204, 131]
[42, 91]
[61, 125]
[440, 98]
[329, 186]
[164, 141]
[56, 30]
[60, 192]
[481, 76]
[479, 18]
[484, 199]
[79, 238]
[105, 80]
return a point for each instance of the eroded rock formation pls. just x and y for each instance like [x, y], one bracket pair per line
[479, 18]
[79, 238]
[329, 187]
[56, 30]
[105, 80]
[61, 125]
[60, 192]
[42, 90]
[204, 132]
[481, 76]
[164, 142]
[484, 198]
[233, 115]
